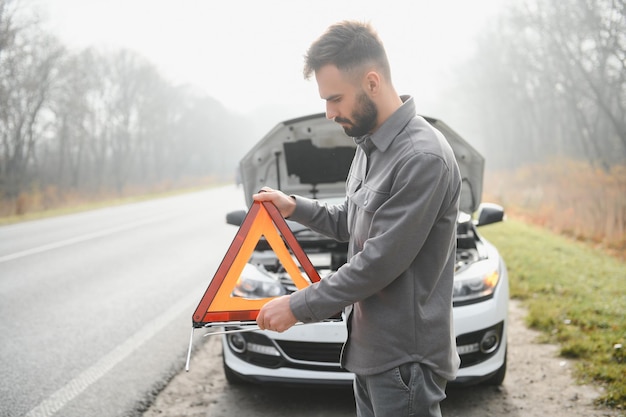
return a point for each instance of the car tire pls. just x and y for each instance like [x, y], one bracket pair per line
[498, 378]
[231, 377]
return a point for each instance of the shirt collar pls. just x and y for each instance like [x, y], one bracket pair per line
[390, 128]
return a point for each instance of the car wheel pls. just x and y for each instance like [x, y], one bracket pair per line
[498, 377]
[231, 377]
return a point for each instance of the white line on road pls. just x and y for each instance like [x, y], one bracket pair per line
[76, 386]
[82, 238]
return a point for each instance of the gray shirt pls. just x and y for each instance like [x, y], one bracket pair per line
[399, 217]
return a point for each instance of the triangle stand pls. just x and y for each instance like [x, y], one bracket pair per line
[218, 308]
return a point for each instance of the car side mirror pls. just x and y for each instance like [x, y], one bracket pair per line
[236, 217]
[489, 213]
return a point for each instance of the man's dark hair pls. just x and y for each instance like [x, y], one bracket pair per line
[351, 47]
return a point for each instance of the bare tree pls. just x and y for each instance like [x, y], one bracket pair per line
[551, 76]
[68, 165]
[95, 121]
[27, 63]
[583, 43]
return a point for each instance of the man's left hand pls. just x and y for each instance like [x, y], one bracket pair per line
[276, 315]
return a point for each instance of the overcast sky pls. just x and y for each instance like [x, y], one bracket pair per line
[248, 54]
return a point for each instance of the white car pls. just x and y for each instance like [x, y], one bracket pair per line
[310, 156]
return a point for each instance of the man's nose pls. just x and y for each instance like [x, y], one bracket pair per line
[331, 113]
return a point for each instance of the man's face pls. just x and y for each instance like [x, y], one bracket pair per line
[346, 103]
[363, 117]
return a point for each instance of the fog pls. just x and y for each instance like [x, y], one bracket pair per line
[248, 54]
[102, 95]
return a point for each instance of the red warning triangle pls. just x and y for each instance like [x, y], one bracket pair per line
[263, 219]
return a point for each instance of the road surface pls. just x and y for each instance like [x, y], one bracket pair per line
[95, 308]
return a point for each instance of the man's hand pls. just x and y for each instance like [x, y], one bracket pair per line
[285, 204]
[276, 315]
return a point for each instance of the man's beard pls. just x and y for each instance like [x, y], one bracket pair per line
[364, 116]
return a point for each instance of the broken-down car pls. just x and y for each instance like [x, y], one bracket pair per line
[310, 156]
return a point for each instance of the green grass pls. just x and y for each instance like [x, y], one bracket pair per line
[575, 295]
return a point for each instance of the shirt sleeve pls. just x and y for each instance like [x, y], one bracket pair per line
[329, 220]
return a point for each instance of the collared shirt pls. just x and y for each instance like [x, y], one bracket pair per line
[399, 218]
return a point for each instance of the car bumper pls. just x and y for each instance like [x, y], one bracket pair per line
[473, 323]
[283, 376]
[284, 362]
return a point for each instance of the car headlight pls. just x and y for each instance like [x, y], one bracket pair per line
[256, 282]
[469, 290]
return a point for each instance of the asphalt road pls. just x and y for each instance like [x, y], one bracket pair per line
[95, 308]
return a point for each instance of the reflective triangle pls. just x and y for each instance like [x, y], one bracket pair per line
[263, 219]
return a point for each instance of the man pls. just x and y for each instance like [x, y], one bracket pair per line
[399, 217]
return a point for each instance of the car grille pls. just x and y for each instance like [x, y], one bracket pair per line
[297, 355]
[312, 352]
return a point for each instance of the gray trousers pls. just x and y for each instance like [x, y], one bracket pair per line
[411, 390]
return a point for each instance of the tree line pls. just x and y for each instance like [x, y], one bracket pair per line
[548, 80]
[93, 121]
[546, 91]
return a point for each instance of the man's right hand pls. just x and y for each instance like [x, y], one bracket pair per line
[284, 203]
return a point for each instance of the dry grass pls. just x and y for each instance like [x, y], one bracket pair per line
[51, 202]
[568, 197]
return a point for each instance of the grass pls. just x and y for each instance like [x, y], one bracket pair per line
[78, 204]
[571, 198]
[575, 295]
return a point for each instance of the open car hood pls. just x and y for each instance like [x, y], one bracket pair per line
[311, 156]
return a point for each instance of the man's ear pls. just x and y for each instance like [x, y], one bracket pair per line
[372, 83]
